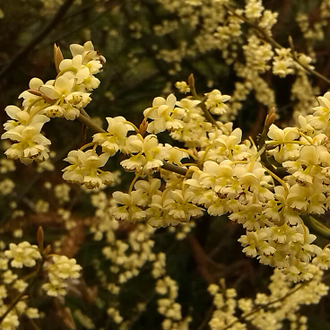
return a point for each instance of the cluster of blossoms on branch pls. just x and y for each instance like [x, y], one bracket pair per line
[65, 96]
[270, 188]
[21, 256]
[273, 186]
[219, 26]
[266, 311]
[128, 257]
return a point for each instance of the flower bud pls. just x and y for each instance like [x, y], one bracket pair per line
[143, 126]
[191, 81]
[47, 249]
[58, 57]
[270, 118]
[40, 238]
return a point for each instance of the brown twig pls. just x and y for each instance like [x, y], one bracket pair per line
[86, 120]
[258, 121]
[326, 68]
[281, 14]
[35, 274]
[37, 39]
[207, 318]
[243, 317]
[264, 35]
[201, 259]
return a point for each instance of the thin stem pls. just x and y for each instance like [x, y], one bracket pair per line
[265, 306]
[166, 166]
[71, 68]
[206, 152]
[306, 137]
[306, 67]
[207, 114]
[34, 112]
[33, 324]
[239, 162]
[23, 293]
[278, 179]
[37, 39]
[189, 153]
[173, 168]
[274, 43]
[316, 226]
[89, 122]
[129, 123]
[256, 156]
[276, 143]
[33, 104]
[207, 318]
[132, 183]
[83, 111]
[87, 145]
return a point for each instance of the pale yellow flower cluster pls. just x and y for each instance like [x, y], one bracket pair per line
[127, 257]
[229, 177]
[66, 96]
[23, 254]
[168, 307]
[60, 272]
[6, 186]
[83, 319]
[26, 255]
[270, 188]
[226, 175]
[220, 29]
[266, 311]
[62, 192]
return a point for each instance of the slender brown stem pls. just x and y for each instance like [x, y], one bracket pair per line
[207, 318]
[37, 39]
[242, 318]
[166, 166]
[201, 259]
[316, 226]
[35, 274]
[274, 43]
[83, 111]
[33, 324]
[207, 115]
[89, 122]
[174, 168]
